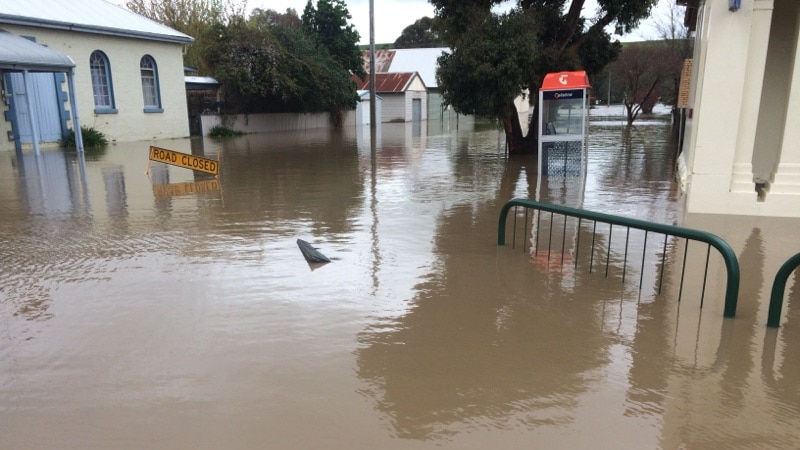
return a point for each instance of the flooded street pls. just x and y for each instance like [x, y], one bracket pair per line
[170, 311]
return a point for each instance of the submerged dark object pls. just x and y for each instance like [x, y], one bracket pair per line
[311, 254]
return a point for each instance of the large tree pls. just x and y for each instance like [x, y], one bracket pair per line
[567, 40]
[641, 72]
[678, 38]
[328, 24]
[270, 64]
[487, 68]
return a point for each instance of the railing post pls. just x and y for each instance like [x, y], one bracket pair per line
[778, 288]
[501, 227]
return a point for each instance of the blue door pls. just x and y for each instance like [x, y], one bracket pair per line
[45, 104]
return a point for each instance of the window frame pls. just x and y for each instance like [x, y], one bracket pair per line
[151, 90]
[101, 73]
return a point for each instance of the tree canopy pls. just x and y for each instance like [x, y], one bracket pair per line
[270, 64]
[327, 23]
[563, 37]
[486, 71]
[423, 33]
[270, 61]
[192, 17]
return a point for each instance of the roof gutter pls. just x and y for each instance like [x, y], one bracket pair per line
[108, 31]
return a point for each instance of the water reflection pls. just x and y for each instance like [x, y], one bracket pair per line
[53, 183]
[51, 199]
[475, 351]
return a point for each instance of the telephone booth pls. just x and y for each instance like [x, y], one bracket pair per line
[563, 120]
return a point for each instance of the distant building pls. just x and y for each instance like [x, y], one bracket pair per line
[128, 69]
[404, 97]
[425, 62]
[202, 97]
[741, 152]
[420, 60]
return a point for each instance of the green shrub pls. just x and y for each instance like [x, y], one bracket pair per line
[91, 138]
[223, 131]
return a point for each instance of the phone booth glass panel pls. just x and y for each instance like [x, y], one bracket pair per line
[563, 113]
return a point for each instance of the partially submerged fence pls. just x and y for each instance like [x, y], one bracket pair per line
[688, 234]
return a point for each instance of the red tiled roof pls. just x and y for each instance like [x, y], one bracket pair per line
[387, 82]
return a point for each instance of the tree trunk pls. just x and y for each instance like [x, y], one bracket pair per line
[629, 112]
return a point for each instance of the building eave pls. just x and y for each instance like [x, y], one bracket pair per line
[91, 29]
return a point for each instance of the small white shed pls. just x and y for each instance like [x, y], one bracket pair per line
[362, 109]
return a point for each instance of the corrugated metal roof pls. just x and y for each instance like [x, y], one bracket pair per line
[200, 80]
[420, 60]
[200, 83]
[18, 53]
[88, 16]
[383, 59]
[388, 83]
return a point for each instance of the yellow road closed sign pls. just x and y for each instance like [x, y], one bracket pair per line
[184, 160]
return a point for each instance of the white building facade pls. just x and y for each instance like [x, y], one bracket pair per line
[129, 78]
[741, 151]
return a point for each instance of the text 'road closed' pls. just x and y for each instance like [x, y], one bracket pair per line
[184, 160]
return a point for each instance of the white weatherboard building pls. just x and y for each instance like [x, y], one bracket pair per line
[128, 73]
[741, 152]
[404, 97]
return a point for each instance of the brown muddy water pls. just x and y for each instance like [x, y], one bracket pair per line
[170, 312]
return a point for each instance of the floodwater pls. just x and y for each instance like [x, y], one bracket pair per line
[169, 311]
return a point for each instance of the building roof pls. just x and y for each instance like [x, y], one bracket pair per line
[421, 60]
[200, 83]
[388, 83]
[87, 16]
[18, 53]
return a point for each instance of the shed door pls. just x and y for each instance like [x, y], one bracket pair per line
[416, 110]
[45, 104]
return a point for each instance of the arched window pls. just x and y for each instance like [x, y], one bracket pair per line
[102, 89]
[150, 92]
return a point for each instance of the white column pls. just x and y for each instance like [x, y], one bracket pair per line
[722, 70]
[73, 104]
[786, 179]
[742, 176]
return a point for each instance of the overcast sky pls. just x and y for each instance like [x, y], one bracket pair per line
[392, 16]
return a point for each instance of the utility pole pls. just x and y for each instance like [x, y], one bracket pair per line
[372, 112]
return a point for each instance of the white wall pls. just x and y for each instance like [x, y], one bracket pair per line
[274, 123]
[741, 110]
[394, 108]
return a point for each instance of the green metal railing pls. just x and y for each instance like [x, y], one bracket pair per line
[778, 288]
[728, 256]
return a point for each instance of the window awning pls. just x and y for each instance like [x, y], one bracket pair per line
[18, 53]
